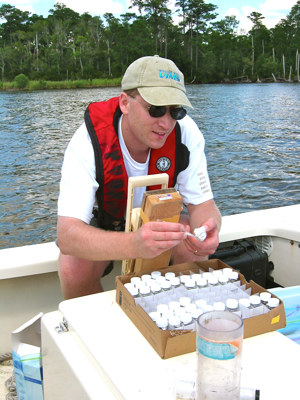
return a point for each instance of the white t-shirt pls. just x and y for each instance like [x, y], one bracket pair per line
[78, 185]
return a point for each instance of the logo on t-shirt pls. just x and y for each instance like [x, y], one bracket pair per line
[163, 164]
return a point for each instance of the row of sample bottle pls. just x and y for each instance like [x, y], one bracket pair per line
[178, 307]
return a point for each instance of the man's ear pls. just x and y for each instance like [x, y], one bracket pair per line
[124, 102]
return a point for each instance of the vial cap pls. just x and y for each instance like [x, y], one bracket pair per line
[195, 276]
[184, 301]
[162, 322]
[134, 291]
[265, 296]
[190, 283]
[219, 306]
[129, 285]
[168, 314]
[146, 277]
[213, 280]
[184, 278]
[226, 271]
[245, 302]
[186, 318]
[217, 272]
[135, 279]
[273, 302]
[166, 284]
[232, 303]
[154, 315]
[175, 281]
[173, 305]
[155, 274]
[255, 300]
[156, 287]
[169, 275]
[160, 279]
[175, 320]
[201, 282]
[233, 275]
[200, 303]
[145, 289]
[223, 278]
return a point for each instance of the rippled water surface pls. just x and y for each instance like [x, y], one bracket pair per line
[252, 137]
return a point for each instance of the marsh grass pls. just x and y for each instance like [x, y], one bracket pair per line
[48, 85]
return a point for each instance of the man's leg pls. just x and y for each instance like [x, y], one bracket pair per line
[80, 277]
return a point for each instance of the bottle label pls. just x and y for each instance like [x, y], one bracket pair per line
[215, 350]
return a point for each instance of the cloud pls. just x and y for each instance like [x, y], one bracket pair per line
[95, 7]
[273, 11]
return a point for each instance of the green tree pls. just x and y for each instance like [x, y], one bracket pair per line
[22, 81]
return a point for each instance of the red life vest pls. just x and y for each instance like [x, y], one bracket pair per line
[101, 120]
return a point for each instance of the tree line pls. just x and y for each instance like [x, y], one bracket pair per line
[70, 46]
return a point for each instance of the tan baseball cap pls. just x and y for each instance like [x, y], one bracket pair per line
[158, 81]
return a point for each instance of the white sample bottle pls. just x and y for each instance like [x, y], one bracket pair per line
[254, 301]
[174, 322]
[223, 279]
[265, 297]
[273, 302]
[190, 284]
[232, 305]
[155, 274]
[219, 306]
[145, 291]
[162, 323]
[169, 275]
[175, 282]
[187, 321]
[166, 286]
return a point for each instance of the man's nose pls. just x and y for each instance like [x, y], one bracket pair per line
[166, 121]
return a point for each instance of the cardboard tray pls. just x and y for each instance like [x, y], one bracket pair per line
[167, 345]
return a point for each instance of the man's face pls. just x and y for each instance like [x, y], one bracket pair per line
[144, 130]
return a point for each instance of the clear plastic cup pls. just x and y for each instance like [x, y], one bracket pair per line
[219, 355]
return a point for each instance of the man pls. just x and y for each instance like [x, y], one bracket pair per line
[132, 135]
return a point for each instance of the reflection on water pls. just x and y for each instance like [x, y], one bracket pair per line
[252, 147]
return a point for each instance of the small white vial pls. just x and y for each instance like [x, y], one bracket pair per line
[134, 292]
[162, 308]
[245, 302]
[129, 286]
[186, 319]
[201, 283]
[273, 302]
[135, 279]
[184, 301]
[232, 305]
[175, 282]
[175, 322]
[200, 233]
[190, 284]
[265, 297]
[217, 272]
[254, 301]
[145, 277]
[156, 288]
[233, 276]
[195, 276]
[206, 275]
[155, 274]
[184, 278]
[160, 279]
[223, 279]
[154, 315]
[219, 306]
[145, 291]
[174, 305]
[226, 271]
[162, 323]
[213, 281]
[169, 275]
[166, 286]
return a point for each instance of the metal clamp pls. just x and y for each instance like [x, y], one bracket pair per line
[62, 327]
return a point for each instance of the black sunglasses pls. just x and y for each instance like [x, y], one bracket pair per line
[158, 111]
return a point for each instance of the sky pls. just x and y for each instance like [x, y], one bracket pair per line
[273, 10]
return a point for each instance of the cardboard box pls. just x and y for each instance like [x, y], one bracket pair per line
[164, 342]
